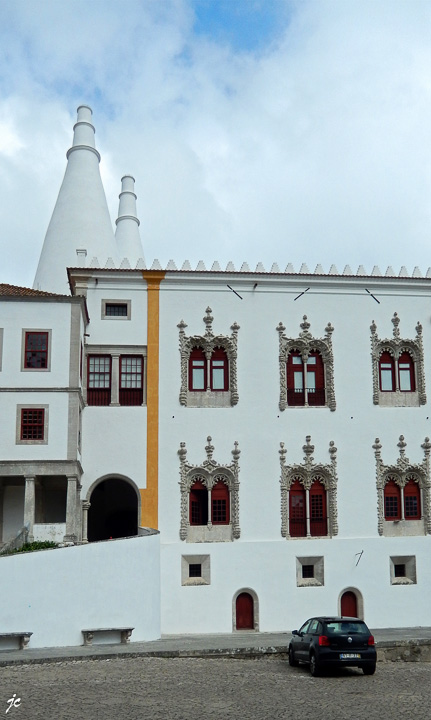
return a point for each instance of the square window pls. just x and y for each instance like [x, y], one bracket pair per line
[403, 570]
[309, 571]
[195, 570]
[32, 425]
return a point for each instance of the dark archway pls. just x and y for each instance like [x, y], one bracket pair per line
[114, 510]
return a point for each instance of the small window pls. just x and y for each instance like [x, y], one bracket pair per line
[116, 309]
[308, 571]
[36, 351]
[403, 570]
[399, 570]
[195, 570]
[32, 424]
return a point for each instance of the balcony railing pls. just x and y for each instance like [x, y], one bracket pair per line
[98, 396]
[315, 397]
[131, 396]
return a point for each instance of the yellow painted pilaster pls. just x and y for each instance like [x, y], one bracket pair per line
[150, 495]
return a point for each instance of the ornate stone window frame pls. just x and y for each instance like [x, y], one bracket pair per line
[307, 473]
[209, 473]
[401, 472]
[208, 342]
[395, 346]
[305, 344]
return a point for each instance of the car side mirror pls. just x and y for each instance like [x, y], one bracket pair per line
[295, 632]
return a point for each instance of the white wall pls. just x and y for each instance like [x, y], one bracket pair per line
[57, 593]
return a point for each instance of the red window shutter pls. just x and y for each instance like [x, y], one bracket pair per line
[316, 393]
[219, 370]
[36, 350]
[197, 370]
[318, 512]
[297, 514]
[386, 372]
[99, 380]
[198, 504]
[32, 424]
[392, 498]
[406, 373]
[412, 500]
[220, 504]
[131, 380]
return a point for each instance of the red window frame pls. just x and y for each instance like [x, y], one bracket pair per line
[316, 395]
[36, 350]
[388, 361]
[312, 377]
[392, 501]
[198, 504]
[318, 510]
[220, 504]
[406, 360]
[99, 374]
[219, 356]
[295, 395]
[32, 424]
[197, 361]
[131, 391]
[297, 510]
[412, 500]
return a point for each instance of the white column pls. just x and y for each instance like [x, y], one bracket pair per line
[115, 380]
[85, 508]
[72, 483]
[307, 510]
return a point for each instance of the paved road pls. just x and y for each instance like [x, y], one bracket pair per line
[211, 689]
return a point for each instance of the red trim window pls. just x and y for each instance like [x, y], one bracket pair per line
[295, 379]
[32, 424]
[315, 379]
[131, 380]
[406, 373]
[220, 504]
[297, 514]
[219, 370]
[99, 380]
[36, 350]
[198, 504]
[412, 500]
[392, 498]
[318, 514]
[197, 370]
[387, 372]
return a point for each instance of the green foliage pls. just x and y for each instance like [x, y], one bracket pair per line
[31, 547]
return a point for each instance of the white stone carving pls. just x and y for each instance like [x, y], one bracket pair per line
[305, 344]
[209, 473]
[396, 346]
[209, 342]
[307, 473]
[401, 473]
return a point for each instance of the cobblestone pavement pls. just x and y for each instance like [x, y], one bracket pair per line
[198, 689]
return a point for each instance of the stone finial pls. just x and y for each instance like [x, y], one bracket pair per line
[396, 322]
[209, 449]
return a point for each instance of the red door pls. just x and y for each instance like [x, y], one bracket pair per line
[349, 605]
[244, 612]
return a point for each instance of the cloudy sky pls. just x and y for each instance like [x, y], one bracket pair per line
[283, 131]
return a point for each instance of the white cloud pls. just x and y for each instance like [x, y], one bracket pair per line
[315, 149]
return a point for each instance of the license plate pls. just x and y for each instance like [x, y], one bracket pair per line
[349, 656]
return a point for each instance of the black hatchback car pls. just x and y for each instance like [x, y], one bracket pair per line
[333, 642]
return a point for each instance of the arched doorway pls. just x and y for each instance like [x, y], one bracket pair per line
[113, 511]
[349, 604]
[244, 612]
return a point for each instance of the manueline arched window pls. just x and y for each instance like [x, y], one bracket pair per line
[219, 375]
[392, 499]
[197, 370]
[387, 372]
[305, 382]
[412, 500]
[318, 514]
[297, 510]
[406, 373]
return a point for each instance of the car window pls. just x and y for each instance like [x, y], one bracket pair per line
[304, 628]
[344, 627]
[313, 626]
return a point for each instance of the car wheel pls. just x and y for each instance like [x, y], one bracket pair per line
[369, 669]
[292, 661]
[314, 665]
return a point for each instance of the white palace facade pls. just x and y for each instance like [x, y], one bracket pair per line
[272, 425]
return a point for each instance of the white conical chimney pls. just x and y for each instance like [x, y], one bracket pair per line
[127, 235]
[80, 225]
